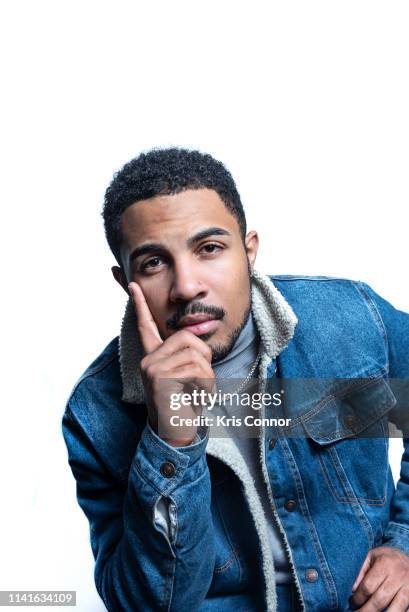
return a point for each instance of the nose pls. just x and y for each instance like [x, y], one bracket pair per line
[186, 283]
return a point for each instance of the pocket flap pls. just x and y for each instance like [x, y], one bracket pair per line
[350, 413]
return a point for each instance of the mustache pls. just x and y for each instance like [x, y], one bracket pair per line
[216, 312]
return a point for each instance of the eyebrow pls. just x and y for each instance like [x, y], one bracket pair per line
[155, 247]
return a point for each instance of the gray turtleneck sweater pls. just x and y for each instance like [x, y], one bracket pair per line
[237, 364]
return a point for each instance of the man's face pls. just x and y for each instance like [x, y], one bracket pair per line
[186, 253]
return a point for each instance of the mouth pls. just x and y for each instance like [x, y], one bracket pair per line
[198, 324]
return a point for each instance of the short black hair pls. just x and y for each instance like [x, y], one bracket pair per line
[166, 172]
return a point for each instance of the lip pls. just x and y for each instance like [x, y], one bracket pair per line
[192, 319]
[199, 324]
[202, 328]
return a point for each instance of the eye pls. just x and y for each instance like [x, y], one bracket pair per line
[151, 263]
[210, 248]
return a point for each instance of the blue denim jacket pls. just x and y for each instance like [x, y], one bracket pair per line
[342, 497]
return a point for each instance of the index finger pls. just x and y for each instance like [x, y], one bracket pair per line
[364, 568]
[147, 327]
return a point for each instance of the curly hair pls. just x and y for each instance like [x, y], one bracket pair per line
[166, 172]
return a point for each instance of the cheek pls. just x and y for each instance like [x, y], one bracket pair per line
[230, 274]
[234, 294]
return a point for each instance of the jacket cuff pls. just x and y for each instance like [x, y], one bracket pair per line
[397, 536]
[164, 466]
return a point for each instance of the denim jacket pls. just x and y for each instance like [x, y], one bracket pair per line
[332, 493]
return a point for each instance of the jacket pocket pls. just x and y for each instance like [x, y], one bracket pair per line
[349, 434]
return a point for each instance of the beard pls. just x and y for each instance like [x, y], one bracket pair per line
[220, 351]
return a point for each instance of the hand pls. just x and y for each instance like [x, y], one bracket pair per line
[383, 581]
[176, 365]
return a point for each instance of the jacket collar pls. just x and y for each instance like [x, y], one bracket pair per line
[274, 318]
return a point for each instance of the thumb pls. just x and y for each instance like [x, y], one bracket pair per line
[365, 567]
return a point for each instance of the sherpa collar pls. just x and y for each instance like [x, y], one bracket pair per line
[274, 317]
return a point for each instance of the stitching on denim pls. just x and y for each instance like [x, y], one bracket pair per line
[342, 500]
[169, 584]
[376, 315]
[146, 481]
[337, 463]
[354, 504]
[385, 429]
[177, 461]
[170, 576]
[329, 437]
[347, 499]
[219, 569]
[308, 278]
[86, 440]
[369, 380]
[395, 526]
[166, 491]
[310, 524]
[90, 373]
[373, 379]
[233, 556]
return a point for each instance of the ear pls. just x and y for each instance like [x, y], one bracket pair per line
[120, 278]
[251, 246]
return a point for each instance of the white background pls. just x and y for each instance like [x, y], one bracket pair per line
[305, 102]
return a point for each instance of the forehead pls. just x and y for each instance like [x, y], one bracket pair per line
[174, 218]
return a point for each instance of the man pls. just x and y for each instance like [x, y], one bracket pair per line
[182, 521]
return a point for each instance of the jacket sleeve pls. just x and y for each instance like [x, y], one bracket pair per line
[396, 327]
[140, 565]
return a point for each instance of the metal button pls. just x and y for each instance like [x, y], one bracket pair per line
[311, 574]
[349, 420]
[167, 469]
[272, 443]
[290, 505]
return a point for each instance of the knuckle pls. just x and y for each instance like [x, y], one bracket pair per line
[184, 336]
[380, 599]
[150, 371]
[144, 363]
[366, 589]
[209, 373]
[208, 351]
[195, 369]
[191, 353]
[404, 593]
[194, 355]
